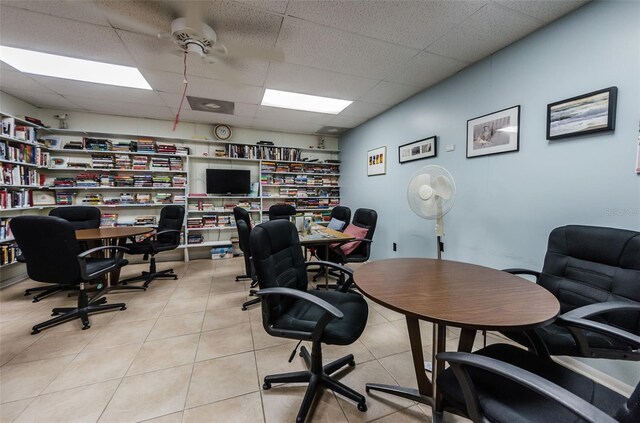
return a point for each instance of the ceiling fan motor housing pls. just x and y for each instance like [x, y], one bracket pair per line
[200, 39]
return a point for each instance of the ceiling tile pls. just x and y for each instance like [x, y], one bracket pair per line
[414, 24]
[210, 118]
[286, 126]
[363, 110]
[240, 23]
[547, 11]
[203, 87]
[276, 113]
[426, 69]
[68, 87]
[43, 99]
[321, 47]
[301, 79]
[62, 9]
[389, 93]
[346, 121]
[17, 81]
[49, 34]
[121, 108]
[277, 6]
[487, 31]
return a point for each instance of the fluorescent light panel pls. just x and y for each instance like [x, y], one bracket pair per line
[310, 103]
[69, 68]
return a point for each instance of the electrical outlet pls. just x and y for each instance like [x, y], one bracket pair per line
[450, 147]
[395, 247]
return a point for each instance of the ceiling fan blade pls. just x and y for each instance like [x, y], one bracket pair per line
[221, 70]
[245, 51]
[131, 16]
[443, 187]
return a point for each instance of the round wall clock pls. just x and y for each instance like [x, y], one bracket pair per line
[222, 132]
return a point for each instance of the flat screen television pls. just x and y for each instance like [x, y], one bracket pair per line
[228, 181]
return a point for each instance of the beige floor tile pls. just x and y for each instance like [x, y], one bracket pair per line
[261, 339]
[192, 290]
[195, 278]
[385, 339]
[149, 395]
[26, 380]
[375, 318]
[233, 375]
[223, 318]
[177, 306]
[243, 409]
[226, 300]
[165, 353]
[400, 366]
[333, 352]
[12, 347]
[388, 313]
[122, 333]
[56, 344]
[275, 360]
[227, 284]
[408, 415]
[95, 365]
[9, 411]
[182, 324]
[222, 342]
[379, 405]
[281, 404]
[169, 418]
[146, 312]
[84, 404]
[150, 296]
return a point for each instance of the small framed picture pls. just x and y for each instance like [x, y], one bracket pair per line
[59, 162]
[495, 133]
[43, 198]
[421, 149]
[377, 161]
[581, 115]
[53, 142]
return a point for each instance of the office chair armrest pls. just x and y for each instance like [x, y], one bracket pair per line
[166, 231]
[518, 271]
[331, 312]
[82, 259]
[566, 399]
[590, 310]
[342, 269]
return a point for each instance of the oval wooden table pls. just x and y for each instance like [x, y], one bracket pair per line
[445, 292]
[113, 236]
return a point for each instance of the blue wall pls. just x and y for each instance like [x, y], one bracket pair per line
[507, 204]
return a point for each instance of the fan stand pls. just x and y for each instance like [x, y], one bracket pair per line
[428, 365]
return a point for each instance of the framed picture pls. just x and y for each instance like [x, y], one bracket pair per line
[53, 142]
[495, 133]
[584, 114]
[59, 162]
[377, 161]
[421, 149]
[43, 198]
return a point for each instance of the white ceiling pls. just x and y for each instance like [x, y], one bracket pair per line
[376, 53]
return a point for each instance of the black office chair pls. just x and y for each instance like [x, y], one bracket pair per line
[343, 214]
[80, 217]
[587, 265]
[290, 311]
[53, 255]
[504, 384]
[166, 238]
[281, 211]
[363, 218]
[243, 224]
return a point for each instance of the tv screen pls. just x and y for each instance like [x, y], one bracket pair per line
[228, 181]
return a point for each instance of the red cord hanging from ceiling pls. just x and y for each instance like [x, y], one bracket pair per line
[184, 93]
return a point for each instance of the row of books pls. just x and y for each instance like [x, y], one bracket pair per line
[211, 221]
[110, 220]
[205, 206]
[20, 132]
[64, 198]
[5, 229]
[288, 179]
[195, 239]
[15, 199]
[121, 161]
[305, 192]
[8, 253]
[24, 153]
[238, 151]
[99, 144]
[280, 167]
[97, 180]
[11, 174]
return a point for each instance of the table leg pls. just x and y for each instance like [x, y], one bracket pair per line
[439, 345]
[425, 387]
[467, 336]
[326, 269]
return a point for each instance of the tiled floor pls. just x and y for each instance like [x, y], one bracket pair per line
[184, 351]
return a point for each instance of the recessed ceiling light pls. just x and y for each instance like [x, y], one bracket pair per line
[310, 103]
[69, 68]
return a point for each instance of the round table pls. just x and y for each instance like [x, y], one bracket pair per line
[445, 292]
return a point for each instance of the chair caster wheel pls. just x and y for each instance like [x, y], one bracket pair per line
[55, 314]
[266, 386]
[352, 363]
[123, 308]
[86, 327]
[35, 300]
[35, 331]
[362, 407]
[244, 308]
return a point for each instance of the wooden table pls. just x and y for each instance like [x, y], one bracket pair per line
[321, 236]
[444, 292]
[112, 236]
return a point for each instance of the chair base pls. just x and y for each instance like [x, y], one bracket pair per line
[249, 303]
[242, 278]
[152, 274]
[85, 307]
[45, 291]
[317, 376]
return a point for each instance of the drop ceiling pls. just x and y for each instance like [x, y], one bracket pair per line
[375, 53]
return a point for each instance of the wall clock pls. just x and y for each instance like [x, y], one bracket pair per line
[222, 132]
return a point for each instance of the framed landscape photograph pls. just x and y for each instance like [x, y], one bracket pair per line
[421, 149]
[43, 198]
[495, 133]
[584, 114]
[377, 161]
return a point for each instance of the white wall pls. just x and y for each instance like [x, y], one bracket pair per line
[507, 204]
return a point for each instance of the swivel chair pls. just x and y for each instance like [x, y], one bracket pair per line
[595, 269]
[243, 224]
[80, 217]
[290, 311]
[343, 214]
[281, 211]
[53, 255]
[166, 238]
